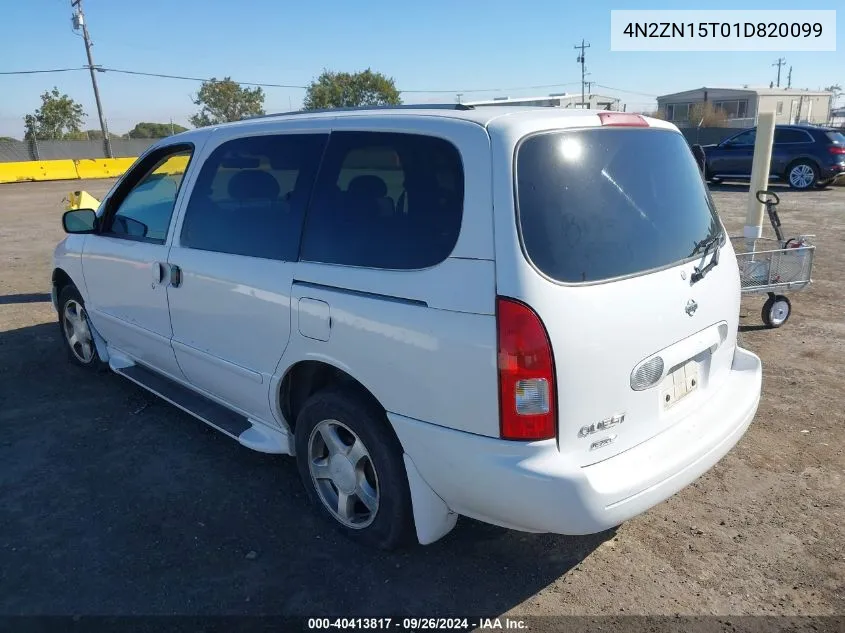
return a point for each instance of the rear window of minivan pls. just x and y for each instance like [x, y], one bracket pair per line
[602, 203]
[838, 138]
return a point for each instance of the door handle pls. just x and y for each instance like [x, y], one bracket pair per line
[175, 276]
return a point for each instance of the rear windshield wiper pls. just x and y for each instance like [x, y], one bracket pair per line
[705, 245]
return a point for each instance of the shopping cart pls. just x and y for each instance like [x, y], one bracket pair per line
[772, 266]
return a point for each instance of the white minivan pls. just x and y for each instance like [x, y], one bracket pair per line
[527, 316]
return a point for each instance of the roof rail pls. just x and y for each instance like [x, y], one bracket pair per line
[404, 106]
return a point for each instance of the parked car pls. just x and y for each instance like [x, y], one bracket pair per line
[804, 156]
[502, 313]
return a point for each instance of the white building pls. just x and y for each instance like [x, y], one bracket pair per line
[742, 105]
[558, 100]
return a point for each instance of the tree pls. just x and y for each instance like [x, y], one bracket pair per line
[8, 139]
[88, 135]
[706, 115]
[154, 130]
[58, 117]
[225, 100]
[344, 90]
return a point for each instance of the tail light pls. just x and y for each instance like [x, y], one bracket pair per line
[836, 149]
[527, 408]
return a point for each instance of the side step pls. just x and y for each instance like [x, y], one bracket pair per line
[254, 435]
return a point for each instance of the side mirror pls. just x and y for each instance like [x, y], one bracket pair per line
[79, 221]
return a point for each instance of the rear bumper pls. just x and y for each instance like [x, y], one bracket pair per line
[835, 172]
[533, 487]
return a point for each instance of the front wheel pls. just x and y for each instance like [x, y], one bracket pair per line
[802, 175]
[76, 331]
[776, 311]
[352, 466]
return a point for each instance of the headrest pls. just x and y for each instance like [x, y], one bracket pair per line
[368, 186]
[253, 184]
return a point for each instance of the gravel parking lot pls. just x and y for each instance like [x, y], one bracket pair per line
[116, 503]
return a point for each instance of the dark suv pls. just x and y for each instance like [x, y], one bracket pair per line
[804, 156]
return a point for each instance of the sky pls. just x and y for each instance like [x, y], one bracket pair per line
[432, 49]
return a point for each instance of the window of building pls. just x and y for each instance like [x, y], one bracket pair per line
[780, 107]
[250, 196]
[677, 112]
[733, 109]
[385, 200]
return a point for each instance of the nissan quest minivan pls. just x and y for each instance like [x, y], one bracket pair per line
[527, 316]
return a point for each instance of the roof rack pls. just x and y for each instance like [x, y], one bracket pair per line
[404, 106]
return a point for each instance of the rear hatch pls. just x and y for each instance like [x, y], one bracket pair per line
[614, 222]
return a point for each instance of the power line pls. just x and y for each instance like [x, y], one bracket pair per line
[299, 87]
[35, 72]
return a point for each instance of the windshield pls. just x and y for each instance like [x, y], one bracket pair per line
[602, 203]
[837, 137]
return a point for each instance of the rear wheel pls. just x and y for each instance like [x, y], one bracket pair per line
[352, 466]
[802, 174]
[776, 311]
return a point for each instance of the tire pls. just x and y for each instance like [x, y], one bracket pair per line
[776, 311]
[802, 175]
[73, 321]
[821, 184]
[377, 475]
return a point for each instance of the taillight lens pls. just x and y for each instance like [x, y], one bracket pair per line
[526, 374]
[836, 149]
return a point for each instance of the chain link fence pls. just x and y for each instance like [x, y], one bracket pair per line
[18, 151]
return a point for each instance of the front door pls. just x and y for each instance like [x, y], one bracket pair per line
[736, 155]
[125, 263]
[235, 256]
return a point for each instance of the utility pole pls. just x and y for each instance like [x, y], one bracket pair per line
[789, 78]
[581, 60]
[780, 62]
[79, 22]
[459, 95]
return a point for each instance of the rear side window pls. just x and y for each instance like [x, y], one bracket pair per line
[792, 136]
[602, 203]
[251, 194]
[385, 200]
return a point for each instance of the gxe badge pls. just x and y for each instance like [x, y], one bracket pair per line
[692, 306]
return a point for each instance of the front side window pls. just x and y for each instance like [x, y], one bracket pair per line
[602, 203]
[144, 212]
[744, 138]
[385, 200]
[250, 196]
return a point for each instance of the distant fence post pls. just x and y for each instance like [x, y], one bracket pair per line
[33, 148]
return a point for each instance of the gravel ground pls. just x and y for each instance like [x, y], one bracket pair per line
[116, 503]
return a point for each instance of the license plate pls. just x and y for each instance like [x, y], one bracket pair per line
[678, 384]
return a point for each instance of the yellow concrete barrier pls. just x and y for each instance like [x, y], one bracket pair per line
[64, 169]
[102, 167]
[38, 170]
[80, 200]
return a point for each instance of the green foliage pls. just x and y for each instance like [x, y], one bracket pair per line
[8, 139]
[224, 100]
[58, 117]
[154, 130]
[344, 90]
[88, 135]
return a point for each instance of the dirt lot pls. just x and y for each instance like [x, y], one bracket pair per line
[116, 503]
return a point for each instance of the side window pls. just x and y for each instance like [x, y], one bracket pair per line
[791, 136]
[250, 196]
[745, 138]
[144, 212]
[385, 200]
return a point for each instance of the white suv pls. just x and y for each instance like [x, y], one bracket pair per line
[518, 315]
